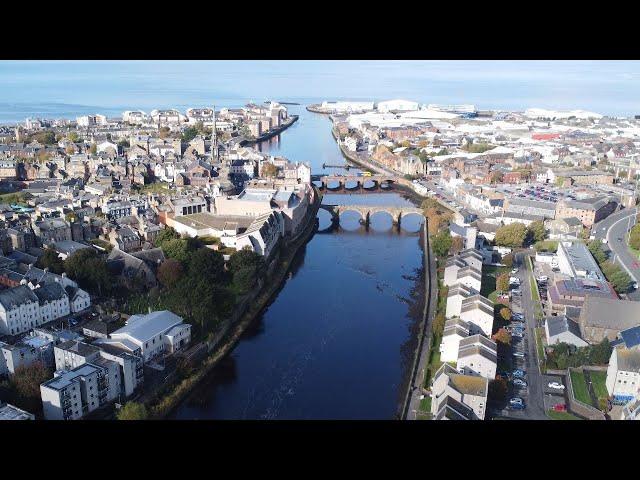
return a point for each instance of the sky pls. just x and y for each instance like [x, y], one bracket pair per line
[607, 87]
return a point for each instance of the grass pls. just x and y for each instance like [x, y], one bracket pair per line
[598, 380]
[537, 307]
[580, 390]
[540, 347]
[553, 415]
[489, 274]
[425, 404]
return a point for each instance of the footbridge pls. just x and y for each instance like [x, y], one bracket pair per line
[366, 211]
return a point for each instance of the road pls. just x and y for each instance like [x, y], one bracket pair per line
[534, 394]
[614, 230]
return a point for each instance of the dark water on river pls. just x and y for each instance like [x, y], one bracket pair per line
[336, 342]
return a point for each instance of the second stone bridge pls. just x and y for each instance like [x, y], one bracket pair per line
[365, 212]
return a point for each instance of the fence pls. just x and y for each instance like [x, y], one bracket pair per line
[576, 405]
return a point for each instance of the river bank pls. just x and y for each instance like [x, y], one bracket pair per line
[270, 288]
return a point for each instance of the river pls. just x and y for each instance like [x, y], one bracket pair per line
[336, 342]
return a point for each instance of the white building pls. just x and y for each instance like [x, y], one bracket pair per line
[455, 330]
[151, 335]
[478, 312]
[346, 107]
[396, 106]
[91, 120]
[9, 412]
[19, 310]
[478, 355]
[467, 389]
[623, 374]
[470, 277]
[73, 354]
[72, 394]
[135, 117]
[455, 296]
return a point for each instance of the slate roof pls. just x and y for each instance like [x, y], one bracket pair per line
[16, 296]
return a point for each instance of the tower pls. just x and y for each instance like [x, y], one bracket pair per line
[214, 137]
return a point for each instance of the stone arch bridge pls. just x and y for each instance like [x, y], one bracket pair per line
[342, 180]
[365, 212]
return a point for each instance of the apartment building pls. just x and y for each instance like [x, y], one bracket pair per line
[623, 375]
[589, 211]
[477, 311]
[478, 355]
[469, 390]
[72, 394]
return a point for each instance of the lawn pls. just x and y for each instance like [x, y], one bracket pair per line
[489, 273]
[598, 380]
[425, 404]
[540, 346]
[553, 415]
[580, 390]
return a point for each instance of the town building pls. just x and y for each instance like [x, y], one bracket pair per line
[469, 390]
[561, 329]
[150, 336]
[602, 318]
[478, 355]
[455, 330]
[477, 311]
[623, 375]
[10, 412]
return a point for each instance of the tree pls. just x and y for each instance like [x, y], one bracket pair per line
[437, 327]
[70, 150]
[52, 261]
[457, 244]
[502, 282]
[207, 264]
[170, 272]
[269, 170]
[164, 132]
[596, 249]
[507, 260]
[46, 138]
[124, 143]
[189, 134]
[133, 411]
[634, 237]
[441, 243]
[246, 258]
[512, 235]
[93, 149]
[497, 177]
[90, 270]
[73, 136]
[620, 280]
[497, 390]
[505, 313]
[165, 235]
[536, 231]
[502, 336]
[245, 278]
[26, 384]
[179, 249]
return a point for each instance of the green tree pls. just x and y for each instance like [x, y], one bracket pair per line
[634, 237]
[507, 260]
[124, 143]
[90, 271]
[498, 390]
[46, 137]
[189, 134]
[512, 235]
[133, 411]
[441, 243]
[180, 249]
[51, 260]
[73, 136]
[246, 258]
[207, 264]
[596, 249]
[536, 231]
[245, 278]
[165, 235]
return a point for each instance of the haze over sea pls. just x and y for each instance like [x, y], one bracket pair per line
[52, 89]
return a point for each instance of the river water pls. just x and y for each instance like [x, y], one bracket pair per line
[336, 342]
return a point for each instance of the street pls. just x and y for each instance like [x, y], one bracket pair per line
[534, 393]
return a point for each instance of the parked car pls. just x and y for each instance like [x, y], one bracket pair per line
[516, 401]
[518, 373]
[559, 407]
[518, 354]
[519, 383]
[517, 334]
[542, 278]
[555, 385]
[514, 271]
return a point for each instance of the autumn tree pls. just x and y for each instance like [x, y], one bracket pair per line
[457, 244]
[502, 282]
[505, 313]
[437, 327]
[170, 272]
[269, 170]
[26, 384]
[93, 149]
[502, 336]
